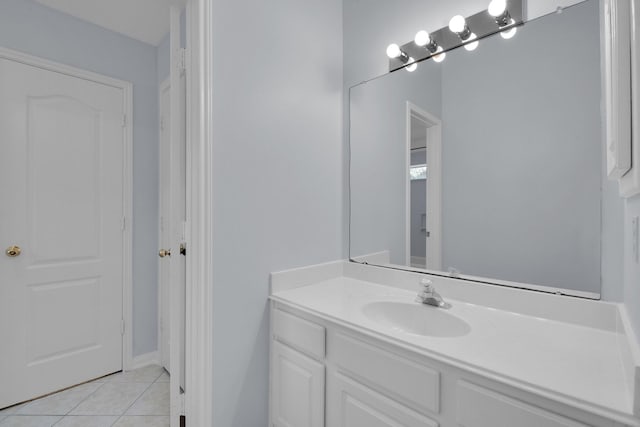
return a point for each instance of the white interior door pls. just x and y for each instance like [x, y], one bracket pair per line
[61, 202]
[177, 221]
[164, 222]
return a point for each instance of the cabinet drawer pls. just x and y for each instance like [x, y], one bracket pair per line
[354, 405]
[299, 333]
[479, 407]
[400, 378]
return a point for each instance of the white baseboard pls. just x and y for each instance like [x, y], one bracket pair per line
[147, 359]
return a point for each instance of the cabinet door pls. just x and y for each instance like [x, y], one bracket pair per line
[352, 404]
[297, 389]
[480, 407]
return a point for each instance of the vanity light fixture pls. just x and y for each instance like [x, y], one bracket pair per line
[413, 65]
[459, 26]
[394, 52]
[501, 16]
[498, 10]
[424, 39]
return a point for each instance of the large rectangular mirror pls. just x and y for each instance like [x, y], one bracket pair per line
[488, 166]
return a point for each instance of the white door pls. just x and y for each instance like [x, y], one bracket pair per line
[175, 168]
[61, 202]
[164, 222]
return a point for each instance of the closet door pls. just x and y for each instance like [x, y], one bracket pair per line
[61, 230]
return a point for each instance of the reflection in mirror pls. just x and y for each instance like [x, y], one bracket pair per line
[488, 165]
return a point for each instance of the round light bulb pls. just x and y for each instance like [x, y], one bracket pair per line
[393, 51]
[412, 67]
[507, 34]
[422, 38]
[473, 45]
[439, 57]
[457, 24]
[497, 7]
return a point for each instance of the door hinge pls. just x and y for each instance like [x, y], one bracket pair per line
[123, 224]
[182, 59]
[121, 326]
[124, 120]
[162, 124]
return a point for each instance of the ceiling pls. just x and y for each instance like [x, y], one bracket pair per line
[143, 20]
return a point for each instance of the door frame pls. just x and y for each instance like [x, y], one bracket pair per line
[127, 174]
[434, 186]
[199, 236]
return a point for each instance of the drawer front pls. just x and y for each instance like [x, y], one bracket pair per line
[393, 375]
[354, 405]
[299, 333]
[479, 407]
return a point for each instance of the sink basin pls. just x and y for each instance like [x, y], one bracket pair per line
[416, 319]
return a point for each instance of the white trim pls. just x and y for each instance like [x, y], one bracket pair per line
[148, 359]
[630, 183]
[127, 95]
[434, 186]
[199, 303]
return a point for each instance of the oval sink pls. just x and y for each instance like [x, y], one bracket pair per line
[417, 319]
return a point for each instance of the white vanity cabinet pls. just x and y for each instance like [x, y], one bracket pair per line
[326, 374]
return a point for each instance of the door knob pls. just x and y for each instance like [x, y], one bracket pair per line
[13, 251]
[164, 253]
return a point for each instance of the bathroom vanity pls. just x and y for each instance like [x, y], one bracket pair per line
[351, 347]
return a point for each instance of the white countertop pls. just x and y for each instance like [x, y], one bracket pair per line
[578, 365]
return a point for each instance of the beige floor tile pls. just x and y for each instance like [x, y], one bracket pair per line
[154, 401]
[142, 421]
[111, 399]
[10, 410]
[60, 403]
[29, 421]
[86, 421]
[164, 378]
[147, 374]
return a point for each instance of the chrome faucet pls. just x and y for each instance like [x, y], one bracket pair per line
[429, 296]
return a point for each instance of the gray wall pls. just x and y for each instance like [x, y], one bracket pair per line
[522, 154]
[379, 176]
[31, 28]
[277, 176]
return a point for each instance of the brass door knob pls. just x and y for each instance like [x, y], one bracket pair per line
[164, 253]
[13, 251]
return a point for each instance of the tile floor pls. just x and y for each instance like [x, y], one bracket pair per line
[137, 398]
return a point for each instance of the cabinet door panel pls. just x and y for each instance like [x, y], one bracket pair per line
[297, 389]
[354, 405]
[479, 407]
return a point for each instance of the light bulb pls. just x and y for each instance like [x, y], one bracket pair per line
[497, 7]
[473, 45]
[457, 24]
[412, 67]
[439, 57]
[422, 38]
[507, 34]
[393, 51]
